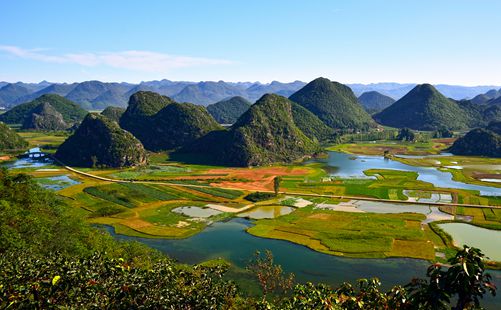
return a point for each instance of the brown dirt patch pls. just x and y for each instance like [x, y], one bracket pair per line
[445, 140]
[2, 158]
[477, 175]
[259, 178]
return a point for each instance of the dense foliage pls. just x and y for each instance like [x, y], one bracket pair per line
[99, 141]
[113, 113]
[405, 134]
[265, 134]
[70, 111]
[44, 117]
[311, 125]
[259, 196]
[9, 139]
[334, 103]
[424, 108]
[162, 124]
[178, 124]
[229, 110]
[480, 141]
[100, 282]
[374, 102]
[142, 106]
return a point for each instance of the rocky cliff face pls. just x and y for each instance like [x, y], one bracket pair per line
[45, 117]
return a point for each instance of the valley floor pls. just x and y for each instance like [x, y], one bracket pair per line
[315, 208]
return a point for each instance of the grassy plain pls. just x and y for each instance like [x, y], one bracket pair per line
[351, 234]
[434, 146]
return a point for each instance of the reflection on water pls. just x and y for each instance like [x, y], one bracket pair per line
[346, 166]
[487, 240]
[196, 211]
[266, 212]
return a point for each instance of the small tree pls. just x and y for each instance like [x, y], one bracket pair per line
[465, 279]
[405, 134]
[93, 158]
[270, 276]
[276, 184]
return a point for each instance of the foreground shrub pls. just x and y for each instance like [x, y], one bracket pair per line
[29, 281]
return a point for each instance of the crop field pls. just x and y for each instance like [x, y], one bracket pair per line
[351, 234]
[46, 141]
[467, 169]
[431, 147]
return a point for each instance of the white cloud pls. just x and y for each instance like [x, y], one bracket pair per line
[145, 61]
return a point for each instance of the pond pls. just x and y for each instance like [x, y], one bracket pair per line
[193, 211]
[348, 166]
[230, 241]
[266, 212]
[489, 241]
[57, 182]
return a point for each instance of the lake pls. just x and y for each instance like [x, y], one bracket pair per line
[350, 166]
[230, 241]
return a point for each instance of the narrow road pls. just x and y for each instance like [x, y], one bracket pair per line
[281, 192]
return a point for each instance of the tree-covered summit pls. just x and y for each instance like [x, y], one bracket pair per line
[425, 108]
[99, 141]
[265, 134]
[334, 103]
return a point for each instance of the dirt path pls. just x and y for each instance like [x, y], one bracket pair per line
[282, 192]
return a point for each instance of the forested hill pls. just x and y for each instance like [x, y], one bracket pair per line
[71, 112]
[480, 142]
[265, 134]
[334, 103]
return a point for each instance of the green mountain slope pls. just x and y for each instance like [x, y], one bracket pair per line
[9, 139]
[178, 124]
[424, 108]
[374, 102]
[142, 106]
[480, 142]
[45, 117]
[99, 141]
[265, 134]
[162, 124]
[334, 103]
[71, 112]
[113, 113]
[229, 110]
[310, 124]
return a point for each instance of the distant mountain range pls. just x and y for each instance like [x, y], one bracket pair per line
[96, 95]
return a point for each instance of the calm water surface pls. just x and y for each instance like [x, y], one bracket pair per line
[347, 165]
[489, 241]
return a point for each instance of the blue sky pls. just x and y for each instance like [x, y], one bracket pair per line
[440, 41]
